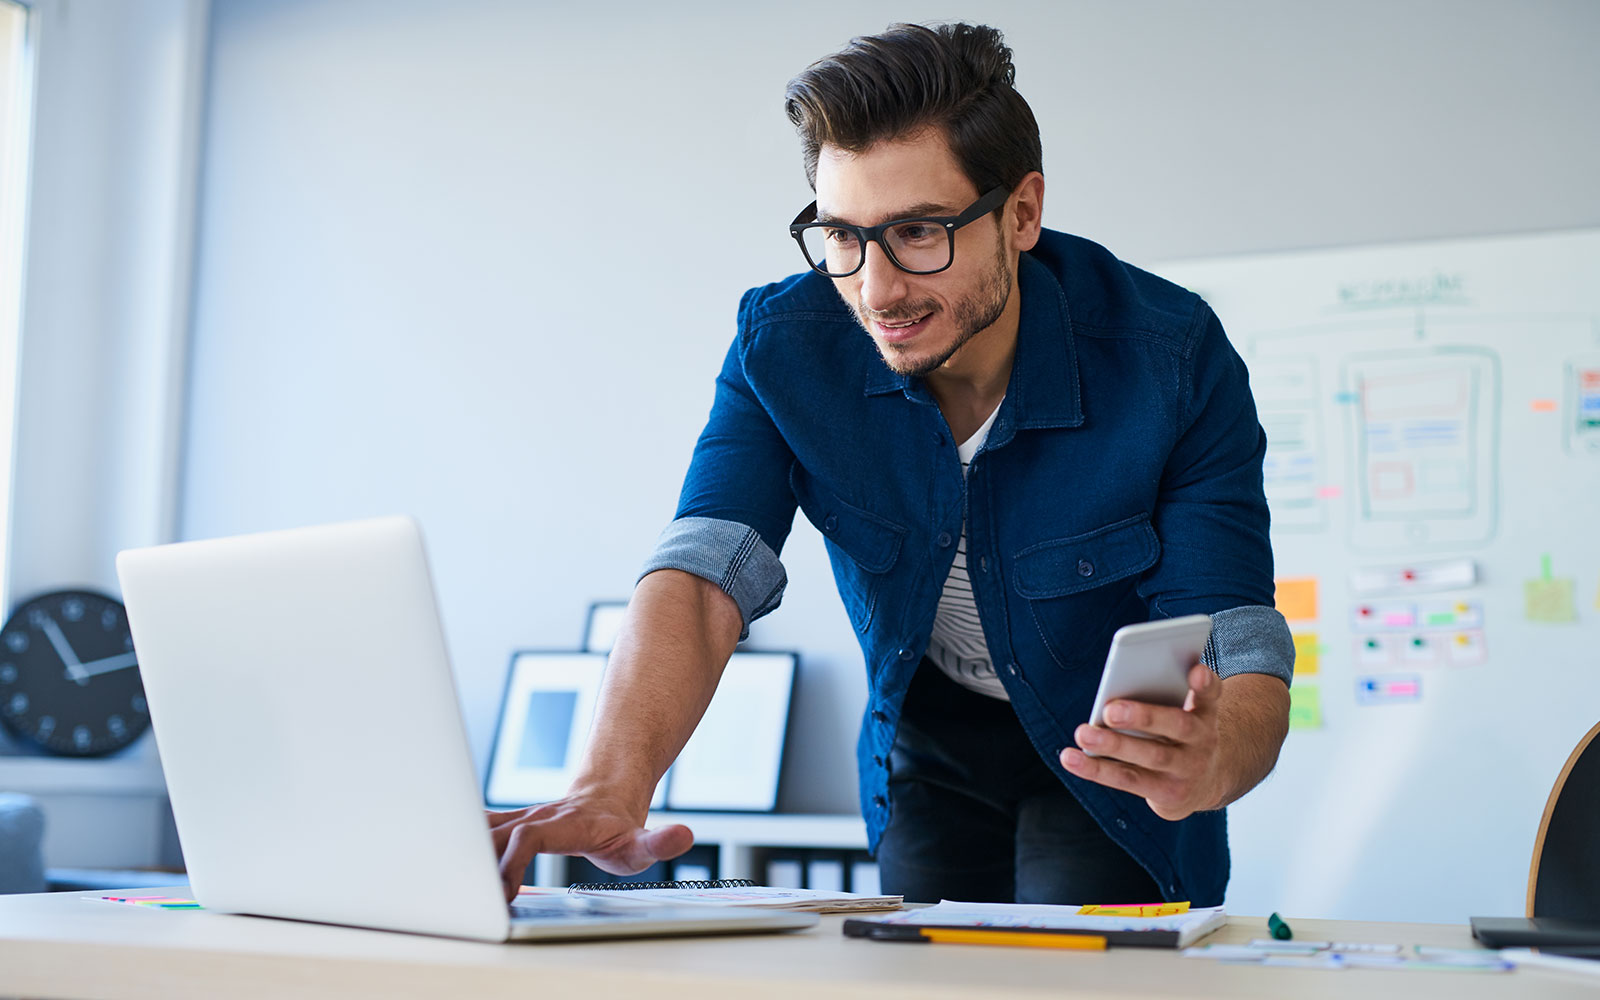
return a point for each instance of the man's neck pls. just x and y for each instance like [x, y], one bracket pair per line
[971, 384]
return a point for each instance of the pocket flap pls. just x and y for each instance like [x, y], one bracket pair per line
[1065, 566]
[873, 542]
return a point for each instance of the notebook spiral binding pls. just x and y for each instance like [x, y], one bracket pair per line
[696, 883]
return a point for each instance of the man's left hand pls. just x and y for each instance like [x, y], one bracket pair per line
[1177, 771]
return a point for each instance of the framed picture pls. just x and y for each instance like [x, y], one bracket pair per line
[732, 762]
[605, 620]
[545, 716]
[544, 723]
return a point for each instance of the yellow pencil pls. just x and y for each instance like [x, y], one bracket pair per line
[1016, 939]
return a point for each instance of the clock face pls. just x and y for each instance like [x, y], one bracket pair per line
[69, 681]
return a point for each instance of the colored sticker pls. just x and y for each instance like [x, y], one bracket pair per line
[1544, 406]
[1307, 653]
[1296, 598]
[1305, 707]
[1387, 690]
[1330, 492]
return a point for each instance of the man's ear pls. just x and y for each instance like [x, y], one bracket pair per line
[1025, 212]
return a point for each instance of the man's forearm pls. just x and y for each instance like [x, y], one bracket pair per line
[676, 637]
[1252, 721]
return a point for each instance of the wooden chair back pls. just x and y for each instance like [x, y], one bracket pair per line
[1564, 880]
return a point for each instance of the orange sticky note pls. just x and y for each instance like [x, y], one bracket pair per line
[1544, 406]
[1296, 598]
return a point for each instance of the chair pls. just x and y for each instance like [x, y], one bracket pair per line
[1564, 880]
[21, 833]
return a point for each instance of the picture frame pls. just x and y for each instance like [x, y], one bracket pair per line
[602, 625]
[734, 759]
[545, 714]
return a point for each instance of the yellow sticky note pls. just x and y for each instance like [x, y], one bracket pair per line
[1305, 707]
[1307, 653]
[1297, 598]
[1135, 910]
[1549, 600]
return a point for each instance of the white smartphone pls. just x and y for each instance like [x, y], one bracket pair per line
[1150, 662]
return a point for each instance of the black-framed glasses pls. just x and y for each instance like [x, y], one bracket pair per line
[917, 246]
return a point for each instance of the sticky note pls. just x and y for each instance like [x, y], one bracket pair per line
[1296, 598]
[1544, 406]
[1549, 599]
[1305, 706]
[1307, 653]
[1329, 492]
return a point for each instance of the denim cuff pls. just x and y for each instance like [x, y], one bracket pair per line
[1250, 640]
[730, 555]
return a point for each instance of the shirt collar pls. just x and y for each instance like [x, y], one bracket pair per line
[1044, 390]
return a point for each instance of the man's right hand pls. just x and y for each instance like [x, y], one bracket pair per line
[602, 829]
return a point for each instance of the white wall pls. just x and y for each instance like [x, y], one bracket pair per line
[479, 261]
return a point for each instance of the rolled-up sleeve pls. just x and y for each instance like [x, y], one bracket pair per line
[736, 507]
[1211, 516]
[1250, 640]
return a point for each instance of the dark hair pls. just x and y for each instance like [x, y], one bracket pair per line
[912, 77]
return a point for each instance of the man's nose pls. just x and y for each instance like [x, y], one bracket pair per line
[882, 284]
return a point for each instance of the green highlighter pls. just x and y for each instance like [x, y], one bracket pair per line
[1280, 930]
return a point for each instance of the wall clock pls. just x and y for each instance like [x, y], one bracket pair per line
[69, 679]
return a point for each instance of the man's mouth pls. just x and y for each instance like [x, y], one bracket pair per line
[895, 330]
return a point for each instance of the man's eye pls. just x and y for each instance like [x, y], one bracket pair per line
[916, 232]
[839, 237]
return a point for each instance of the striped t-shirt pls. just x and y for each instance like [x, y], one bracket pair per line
[957, 645]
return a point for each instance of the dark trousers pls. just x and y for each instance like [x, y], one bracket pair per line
[977, 816]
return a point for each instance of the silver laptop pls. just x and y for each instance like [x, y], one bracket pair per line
[318, 767]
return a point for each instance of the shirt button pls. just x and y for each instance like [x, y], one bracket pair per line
[1085, 568]
[1013, 669]
[878, 716]
[829, 523]
[877, 761]
[879, 801]
[945, 539]
[983, 564]
[906, 654]
[1122, 824]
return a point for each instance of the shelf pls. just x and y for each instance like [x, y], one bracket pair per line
[66, 776]
[738, 836]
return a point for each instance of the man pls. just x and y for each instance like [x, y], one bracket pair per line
[1033, 445]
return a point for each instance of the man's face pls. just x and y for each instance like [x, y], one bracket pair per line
[918, 321]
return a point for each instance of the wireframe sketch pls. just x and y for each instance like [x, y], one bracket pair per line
[1294, 469]
[1424, 437]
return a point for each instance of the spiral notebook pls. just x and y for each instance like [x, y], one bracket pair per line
[740, 892]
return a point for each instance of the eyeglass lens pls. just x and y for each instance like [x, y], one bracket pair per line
[915, 246]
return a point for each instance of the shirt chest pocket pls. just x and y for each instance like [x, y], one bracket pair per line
[1067, 584]
[862, 546]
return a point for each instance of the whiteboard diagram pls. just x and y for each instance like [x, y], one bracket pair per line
[1424, 447]
[1432, 414]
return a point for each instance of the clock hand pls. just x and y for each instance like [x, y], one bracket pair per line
[107, 664]
[52, 631]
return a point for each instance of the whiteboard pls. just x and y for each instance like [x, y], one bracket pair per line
[1433, 468]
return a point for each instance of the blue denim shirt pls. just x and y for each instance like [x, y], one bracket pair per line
[1120, 482]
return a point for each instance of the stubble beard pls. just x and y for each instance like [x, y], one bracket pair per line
[972, 315]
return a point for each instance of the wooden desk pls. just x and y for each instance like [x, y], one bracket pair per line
[74, 945]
